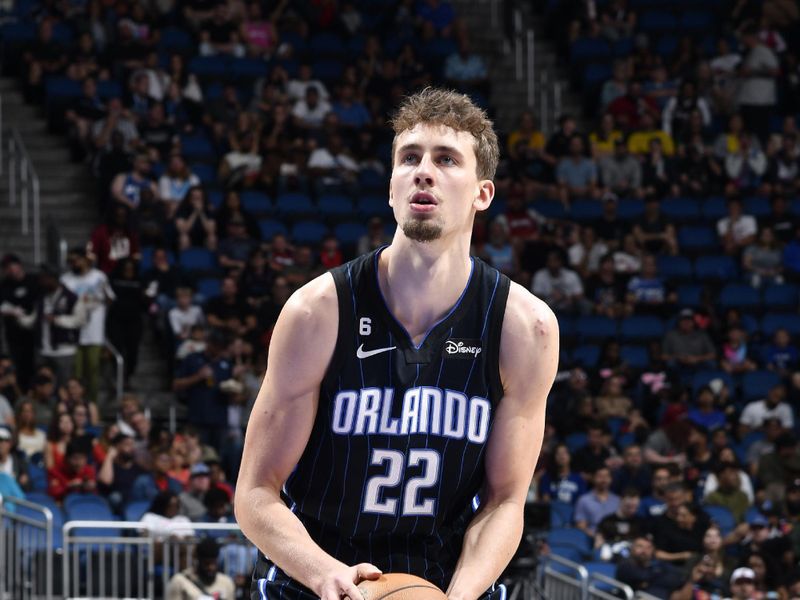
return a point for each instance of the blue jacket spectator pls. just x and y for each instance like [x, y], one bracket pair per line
[148, 485]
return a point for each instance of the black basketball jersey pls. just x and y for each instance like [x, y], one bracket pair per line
[395, 460]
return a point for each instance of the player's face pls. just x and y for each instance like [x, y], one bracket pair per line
[434, 188]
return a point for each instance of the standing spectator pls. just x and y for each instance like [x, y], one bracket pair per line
[203, 579]
[18, 297]
[114, 240]
[191, 499]
[576, 175]
[125, 314]
[737, 230]
[774, 405]
[757, 83]
[74, 476]
[94, 291]
[60, 320]
[597, 504]
[193, 221]
[559, 482]
[175, 183]
[561, 288]
[119, 471]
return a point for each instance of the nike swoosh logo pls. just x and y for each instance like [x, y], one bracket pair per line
[361, 353]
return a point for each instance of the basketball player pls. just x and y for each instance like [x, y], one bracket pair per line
[403, 407]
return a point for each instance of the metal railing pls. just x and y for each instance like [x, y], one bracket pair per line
[23, 184]
[563, 579]
[601, 587]
[113, 559]
[26, 550]
[119, 379]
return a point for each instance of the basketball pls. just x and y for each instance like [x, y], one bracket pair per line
[400, 586]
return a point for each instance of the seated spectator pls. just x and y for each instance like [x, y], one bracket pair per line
[119, 471]
[768, 580]
[791, 257]
[148, 486]
[781, 356]
[639, 140]
[498, 251]
[559, 144]
[606, 290]
[193, 221]
[745, 167]
[603, 139]
[309, 112]
[258, 33]
[593, 506]
[633, 473]
[612, 402]
[576, 175]
[330, 253]
[466, 70]
[175, 183]
[655, 504]
[44, 57]
[219, 34]
[157, 134]
[202, 579]
[774, 405]
[559, 482]
[162, 519]
[114, 240]
[668, 444]
[635, 111]
[708, 575]
[131, 188]
[687, 346]
[235, 246]
[351, 111]
[647, 292]
[585, 254]
[621, 173]
[653, 232]
[616, 532]
[772, 431]
[185, 315]
[617, 86]
[783, 172]
[242, 164]
[596, 453]
[229, 310]
[762, 260]
[610, 228]
[642, 571]
[30, 439]
[81, 113]
[658, 172]
[525, 144]
[192, 499]
[728, 493]
[118, 120]
[735, 357]
[724, 456]
[332, 168]
[73, 476]
[678, 111]
[706, 414]
[782, 465]
[699, 172]
[678, 533]
[659, 86]
[13, 462]
[59, 435]
[561, 288]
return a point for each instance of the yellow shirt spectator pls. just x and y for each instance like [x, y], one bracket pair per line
[639, 142]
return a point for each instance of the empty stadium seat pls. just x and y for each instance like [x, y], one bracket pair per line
[772, 322]
[704, 377]
[638, 357]
[738, 295]
[560, 514]
[756, 384]
[586, 209]
[716, 267]
[594, 327]
[294, 205]
[198, 259]
[780, 296]
[270, 228]
[674, 267]
[134, 510]
[697, 238]
[641, 328]
[681, 209]
[374, 206]
[255, 202]
[570, 537]
[209, 287]
[308, 232]
[335, 206]
[722, 516]
[586, 355]
[349, 233]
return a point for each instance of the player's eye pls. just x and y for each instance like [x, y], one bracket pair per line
[447, 160]
[410, 158]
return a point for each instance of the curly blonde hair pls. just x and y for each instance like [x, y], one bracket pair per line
[437, 106]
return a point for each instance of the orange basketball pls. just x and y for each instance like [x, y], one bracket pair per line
[400, 586]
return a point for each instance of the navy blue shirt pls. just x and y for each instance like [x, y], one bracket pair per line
[207, 404]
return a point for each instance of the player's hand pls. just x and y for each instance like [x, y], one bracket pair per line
[342, 583]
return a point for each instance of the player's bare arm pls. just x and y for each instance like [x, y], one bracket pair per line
[302, 345]
[528, 364]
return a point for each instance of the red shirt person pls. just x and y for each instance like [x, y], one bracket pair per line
[74, 476]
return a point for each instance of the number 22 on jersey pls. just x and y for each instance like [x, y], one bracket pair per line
[381, 497]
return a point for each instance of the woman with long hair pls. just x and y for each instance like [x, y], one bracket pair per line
[61, 433]
[193, 221]
[30, 439]
[559, 481]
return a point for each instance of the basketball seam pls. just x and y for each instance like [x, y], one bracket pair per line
[408, 587]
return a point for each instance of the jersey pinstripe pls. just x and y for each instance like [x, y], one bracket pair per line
[395, 457]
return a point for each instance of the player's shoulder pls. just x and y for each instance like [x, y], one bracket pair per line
[528, 317]
[314, 301]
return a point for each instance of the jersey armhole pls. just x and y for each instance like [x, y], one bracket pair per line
[346, 319]
[495, 330]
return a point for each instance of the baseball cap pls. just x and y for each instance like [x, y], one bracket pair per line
[757, 520]
[5, 433]
[199, 469]
[743, 573]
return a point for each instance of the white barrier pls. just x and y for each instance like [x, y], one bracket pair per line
[26, 550]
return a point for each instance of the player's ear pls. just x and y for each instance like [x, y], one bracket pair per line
[483, 199]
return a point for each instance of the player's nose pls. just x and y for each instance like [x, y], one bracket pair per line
[424, 171]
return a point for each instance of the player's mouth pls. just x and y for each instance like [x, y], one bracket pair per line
[423, 202]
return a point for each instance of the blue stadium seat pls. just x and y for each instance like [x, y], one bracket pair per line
[638, 357]
[46, 500]
[714, 208]
[295, 40]
[108, 88]
[757, 206]
[326, 44]
[255, 202]
[641, 328]
[666, 45]
[739, 295]
[249, 68]
[575, 441]
[593, 327]
[270, 228]
[780, 296]
[198, 259]
[717, 267]
[215, 197]
[756, 384]
[690, 295]
[85, 504]
[696, 20]
[17, 33]
[596, 73]
[607, 569]
[370, 180]
[210, 67]
[175, 39]
[135, 509]
[349, 233]
[374, 206]
[569, 536]
[681, 209]
[586, 355]
[294, 205]
[703, 377]
[560, 514]
[584, 209]
[697, 238]
[62, 88]
[308, 232]
[772, 322]
[630, 209]
[589, 49]
[38, 476]
[335, 206]
[209, 287]
[197, 147]
[328, 70]
[722, 516]
[205, 172]
[674, 267]
[571, 553]
[552, 209]
[623, 47]
[656, 21]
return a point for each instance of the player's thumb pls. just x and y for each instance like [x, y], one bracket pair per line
[367, 571]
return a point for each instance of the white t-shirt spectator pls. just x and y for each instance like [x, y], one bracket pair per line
[759, 90]
[567, 282]
[94, 290]
[313, 117]
[577, 252]
[171, 189]
[181, 321]
[742, 228]
[296, 89]
[755, 413]
[322, 158]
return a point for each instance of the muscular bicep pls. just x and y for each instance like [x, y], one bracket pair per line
[528, 363]
[283, 415]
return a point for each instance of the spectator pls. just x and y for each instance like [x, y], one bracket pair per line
[157, 134]
[755, 413]
[219, 35]
[655, 504]
[560, 143]
[659, 86]
[653, 232]
[679, 109]
[465, 70]
[74, 476]
[585, 254]
[783, 172]
[18, 297]
[606, 290]
[149, 485]
[12, 462]
[633, 473]
[31, 440]
[229, 310]
[125, 314]
[331, 167]
[772, 430]
[119, 471]
[668, 444]
[658, 172]
[705, 414]
[259, 34]
[203, 579]
[59, 435]
[596, 453]
[729, 494]
[639, 140]
[236, 245]
[576, 175]
[605, 137]
[616, 532]
[758, 70]
[309, 112]
[686, 346]
[94, 291]
[647, 293]
[559, 482]
[526, 143]
[636, 111]
[175, 183]
[185, 315]
[678, 533]
[642, 571]
[746, 167]
[762, 260]
[782, 355]
[779, 467]
[767, 580]
[709, 574]
[162, 519]
[612, 402]
[735, 357]
[45, 57]
[118, 120]
[617, 86]
[498, 250]
[330, 254]
[561, 288]
[193, 221]
[349, 109]
[621, 173]
[114, 240]
[192, 505]
[81, 113]
[131, 189]
[592, 507]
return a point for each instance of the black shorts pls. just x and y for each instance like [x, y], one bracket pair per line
[274, 584]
